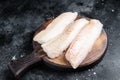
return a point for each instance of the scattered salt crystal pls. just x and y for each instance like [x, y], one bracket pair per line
[88, 69]
[21, 55]
[113, 10]
[94, 73]
[14, 58]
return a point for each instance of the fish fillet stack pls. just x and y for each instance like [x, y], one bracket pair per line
[83, 43]
[65, 33]
[56, 27]
[57, 45]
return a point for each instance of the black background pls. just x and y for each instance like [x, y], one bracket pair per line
[20, 18]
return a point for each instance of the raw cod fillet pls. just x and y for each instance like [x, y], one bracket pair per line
[56, 27]
[56, 46]
[83, 43]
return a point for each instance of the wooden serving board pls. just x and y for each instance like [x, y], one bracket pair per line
[95, 54]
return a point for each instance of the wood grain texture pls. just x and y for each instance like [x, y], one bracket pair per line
[20, 65]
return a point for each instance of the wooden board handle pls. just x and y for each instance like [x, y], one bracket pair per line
[20, 65]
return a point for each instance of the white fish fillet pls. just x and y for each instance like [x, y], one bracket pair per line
[83, 43]
[56, 27]
[57, 45]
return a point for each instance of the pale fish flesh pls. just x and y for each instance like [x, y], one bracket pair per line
[83, 43]
[56, 27]
[57, 45]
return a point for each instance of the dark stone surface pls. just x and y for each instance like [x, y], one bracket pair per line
[20, 18]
